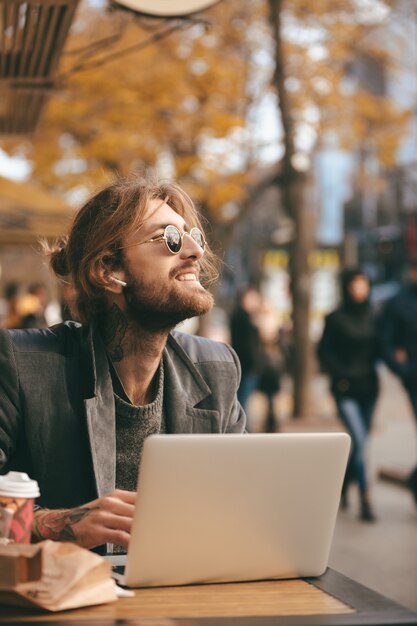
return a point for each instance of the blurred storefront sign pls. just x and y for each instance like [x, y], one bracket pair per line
[32, 36]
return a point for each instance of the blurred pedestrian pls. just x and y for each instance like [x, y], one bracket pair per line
[32, 306]
[286, 347]
[398, 341]
[245, 340]
[348, 352]
[13, 318]
[271, 361]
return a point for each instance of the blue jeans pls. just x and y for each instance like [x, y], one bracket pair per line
[356, 415]
[248, 384]
[412, 479]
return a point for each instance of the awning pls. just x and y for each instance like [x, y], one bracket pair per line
[32, 35]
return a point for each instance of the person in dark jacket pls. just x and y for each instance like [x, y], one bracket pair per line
[398, 344]
[348, 353]
[246, 341]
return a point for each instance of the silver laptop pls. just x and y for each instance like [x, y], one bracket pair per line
[219, 508]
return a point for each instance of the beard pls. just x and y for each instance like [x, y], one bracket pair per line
[159, 307]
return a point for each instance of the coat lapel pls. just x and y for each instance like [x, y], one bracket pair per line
[100, 412]
[185, 388]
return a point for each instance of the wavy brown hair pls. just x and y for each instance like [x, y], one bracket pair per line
[99, 230]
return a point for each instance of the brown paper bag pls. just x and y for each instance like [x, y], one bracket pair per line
[54, 576]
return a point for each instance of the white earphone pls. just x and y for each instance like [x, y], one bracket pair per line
[118, 281]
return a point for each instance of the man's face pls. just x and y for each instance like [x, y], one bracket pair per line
[163, 289]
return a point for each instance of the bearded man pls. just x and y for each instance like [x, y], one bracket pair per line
[78, 400]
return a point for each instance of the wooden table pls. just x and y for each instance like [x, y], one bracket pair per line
[331, 600]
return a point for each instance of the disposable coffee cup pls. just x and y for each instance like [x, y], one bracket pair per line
[17, 493]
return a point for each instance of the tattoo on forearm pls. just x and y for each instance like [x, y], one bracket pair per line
[113, 331]
[58, 525]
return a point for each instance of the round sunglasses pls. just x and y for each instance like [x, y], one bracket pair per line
[174, 239]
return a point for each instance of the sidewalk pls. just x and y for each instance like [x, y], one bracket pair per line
[382, 555]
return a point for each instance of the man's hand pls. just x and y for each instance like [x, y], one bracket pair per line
[105, 520]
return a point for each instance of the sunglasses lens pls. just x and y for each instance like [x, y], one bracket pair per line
[173, 239]
[198, 237]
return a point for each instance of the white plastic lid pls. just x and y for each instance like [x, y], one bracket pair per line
[18, 485]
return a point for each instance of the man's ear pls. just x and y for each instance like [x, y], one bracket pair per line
[109, 274]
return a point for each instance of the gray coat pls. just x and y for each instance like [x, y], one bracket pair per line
[57, 415]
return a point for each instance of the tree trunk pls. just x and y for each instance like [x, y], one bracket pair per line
[301, 247]
[294, 187]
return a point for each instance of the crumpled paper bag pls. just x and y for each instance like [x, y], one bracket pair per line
[54, 576]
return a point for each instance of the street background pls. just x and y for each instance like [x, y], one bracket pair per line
[380, 555]
[292, 124]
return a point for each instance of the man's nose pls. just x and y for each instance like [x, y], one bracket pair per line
[190, 248]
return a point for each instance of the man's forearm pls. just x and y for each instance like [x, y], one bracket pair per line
[57, 524]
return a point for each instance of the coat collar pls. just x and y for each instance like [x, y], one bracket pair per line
[184, 374]
[185, 388]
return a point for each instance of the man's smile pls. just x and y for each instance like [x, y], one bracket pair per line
[187, 273]
[189, 276]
